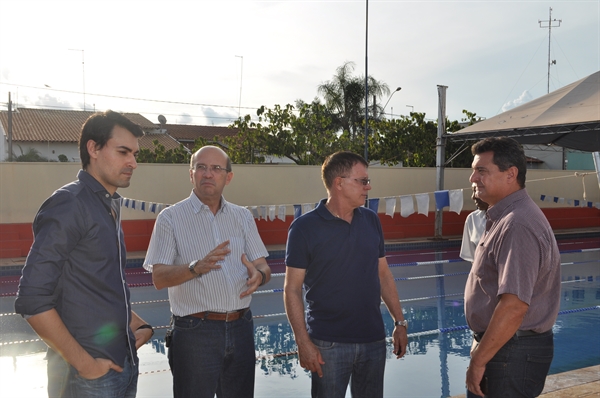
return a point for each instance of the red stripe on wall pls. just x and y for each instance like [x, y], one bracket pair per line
[16, 239]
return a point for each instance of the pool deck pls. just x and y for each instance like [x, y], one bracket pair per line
[576, 383]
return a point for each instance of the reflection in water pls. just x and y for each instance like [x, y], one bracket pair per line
[276, 348]
[441, 310]
[434, 365]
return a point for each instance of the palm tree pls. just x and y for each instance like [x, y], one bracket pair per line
[32, 155]
[344, 96]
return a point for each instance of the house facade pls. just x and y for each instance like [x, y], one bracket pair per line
[52, 133]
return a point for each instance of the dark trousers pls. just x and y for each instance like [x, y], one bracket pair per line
[520, 367]
[64, 381]
[212, 357]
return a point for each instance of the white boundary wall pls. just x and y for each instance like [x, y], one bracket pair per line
[24, 186]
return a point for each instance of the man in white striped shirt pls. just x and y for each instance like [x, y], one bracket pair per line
[208, 253]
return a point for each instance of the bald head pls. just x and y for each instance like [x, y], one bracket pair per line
[213, 150]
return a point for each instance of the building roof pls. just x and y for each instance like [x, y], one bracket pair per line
[43, 125]
[188, 132]
[53, 125]
[147, 141]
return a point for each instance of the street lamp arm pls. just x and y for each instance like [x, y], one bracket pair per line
[388, 101]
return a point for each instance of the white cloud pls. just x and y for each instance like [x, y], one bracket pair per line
[214, 117]
[185, 118]
[288, 49]
[523, 98]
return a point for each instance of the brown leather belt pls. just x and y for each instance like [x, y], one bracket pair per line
[221, 316]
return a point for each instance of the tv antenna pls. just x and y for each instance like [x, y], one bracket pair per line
[550, 26]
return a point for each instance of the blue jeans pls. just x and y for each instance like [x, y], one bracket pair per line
[362, 365]
[520, 367]
[212, 357]
[65, 382]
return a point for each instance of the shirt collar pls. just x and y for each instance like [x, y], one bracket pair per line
[496, 211]
[324, 212]
[89, 181]
[199, 206]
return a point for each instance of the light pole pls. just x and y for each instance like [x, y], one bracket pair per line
[391, 95]
[82, 72]
[367, 82]
[241, 77]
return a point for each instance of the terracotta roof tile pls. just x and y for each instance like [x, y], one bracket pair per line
[184, 132]
[147, 141]
[55, 125]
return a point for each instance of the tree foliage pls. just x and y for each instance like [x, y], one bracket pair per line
[306, 135]
[411, 141]
[344, 97]
[162, 155]
[309, 132]
[32, 155]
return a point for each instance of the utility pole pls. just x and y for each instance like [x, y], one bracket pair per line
[241, 78]
[10, 149]
[550, 26]
[367, 82]
[82, 72]
[440, 155]
[553, 62]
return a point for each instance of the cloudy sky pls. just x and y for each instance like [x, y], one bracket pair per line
[203, 62]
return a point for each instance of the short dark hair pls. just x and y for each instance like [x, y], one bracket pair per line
[99, 127]
[338, 165]
[507, 153]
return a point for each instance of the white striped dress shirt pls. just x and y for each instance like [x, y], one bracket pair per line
[187, 231]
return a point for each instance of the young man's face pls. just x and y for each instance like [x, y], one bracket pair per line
[113, 165]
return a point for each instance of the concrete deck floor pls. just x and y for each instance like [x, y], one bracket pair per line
[576, 383]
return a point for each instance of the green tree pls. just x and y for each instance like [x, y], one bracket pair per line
[411, 140]
[344, 97]
[160, 155]
[63, 158]
[32, 155]
[305, 136]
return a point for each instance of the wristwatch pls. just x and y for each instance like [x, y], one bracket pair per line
[191, 268]
[401, 323]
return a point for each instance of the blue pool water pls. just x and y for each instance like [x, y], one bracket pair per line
[430, 284]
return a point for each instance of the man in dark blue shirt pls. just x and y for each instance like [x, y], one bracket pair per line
[337, 253]
[73, 291]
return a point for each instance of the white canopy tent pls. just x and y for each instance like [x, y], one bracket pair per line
[568, 117]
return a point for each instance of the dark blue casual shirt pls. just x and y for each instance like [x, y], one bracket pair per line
[77, 266]
[343, 291]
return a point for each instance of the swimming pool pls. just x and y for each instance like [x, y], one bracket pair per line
[430, 283]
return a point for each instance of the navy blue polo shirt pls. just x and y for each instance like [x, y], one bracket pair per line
[343, 291]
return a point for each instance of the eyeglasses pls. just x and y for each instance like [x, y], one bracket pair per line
[363, 181]
[215, 169]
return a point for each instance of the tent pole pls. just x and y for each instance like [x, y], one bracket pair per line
[440, 155]
[596, 156]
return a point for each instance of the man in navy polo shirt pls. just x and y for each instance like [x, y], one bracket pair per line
[336, 252]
